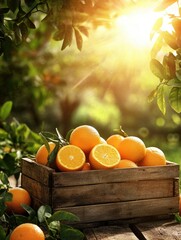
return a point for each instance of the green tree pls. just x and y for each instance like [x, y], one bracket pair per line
[168, 67]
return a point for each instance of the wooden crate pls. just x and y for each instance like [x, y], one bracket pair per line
[105, 195]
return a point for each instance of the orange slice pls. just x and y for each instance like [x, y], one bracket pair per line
[70, 158]
[104, 156]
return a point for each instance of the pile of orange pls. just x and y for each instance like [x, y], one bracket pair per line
[88, 150]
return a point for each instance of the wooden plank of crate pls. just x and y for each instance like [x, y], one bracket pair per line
[159, 230]
[112, 192]
[36, 171]
[36, 189]
[124, 210]
[115, 175]
[110, 233]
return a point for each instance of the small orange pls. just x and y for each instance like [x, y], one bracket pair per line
[132, 148]
[124, 163]
[19, 196]
[85, 137]
[27, 231]
[153, 157]
[70, 158]
[86, 166]
[104, 156]
[115, 140]
[41, 156]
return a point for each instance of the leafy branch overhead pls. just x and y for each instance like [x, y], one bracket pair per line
[64, 20]
[167, 69]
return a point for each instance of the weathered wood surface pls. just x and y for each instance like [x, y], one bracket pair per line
[110, 233]
[159, 230]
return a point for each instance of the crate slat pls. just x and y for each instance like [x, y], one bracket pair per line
[125, 210]
[116, 175]
[122, 191]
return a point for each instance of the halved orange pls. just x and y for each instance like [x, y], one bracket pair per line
[70, 158]
[104, 156]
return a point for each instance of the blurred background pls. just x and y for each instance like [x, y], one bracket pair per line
[106, 85]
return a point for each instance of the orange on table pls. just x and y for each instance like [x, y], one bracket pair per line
[85, 137]
[41, 156]
[19, 196]
[132, 148]
[104, 156]
[86, 166]
[27, 231]
[153, 157]
[115, 140]
[70, 158]
[124, 163]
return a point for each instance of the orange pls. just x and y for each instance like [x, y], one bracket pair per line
[86, 167]
[115, 140]
[104, 156]
[154, 157]
[19, 196]
[70, 158]
[103, 140]
[132, 148]
[27, 231]
[42, 154]
[124, 163]
[85, 137]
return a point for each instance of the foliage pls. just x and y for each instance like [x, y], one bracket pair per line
[168, 70]
[53, 224]
[16, 141]
[64, 19]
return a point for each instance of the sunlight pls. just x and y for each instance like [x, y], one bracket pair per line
[136, 26]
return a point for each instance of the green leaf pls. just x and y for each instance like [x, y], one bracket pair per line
[4, 178]
[156, 27]
[2, 233]
[170, 40]
[175, 99]
[5, 110]
[53, 154]
[152, 95]
[161, 99]
[157, 69]
[71, 233]
[84, 30]
[24, 31]
[30, 24]
[157, 46]
[63, 216]
[68, 37]
[79, 40]
[42, 211]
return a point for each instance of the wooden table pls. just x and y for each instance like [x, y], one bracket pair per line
[157, 230]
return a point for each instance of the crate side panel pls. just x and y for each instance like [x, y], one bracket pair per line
[115, 175]
[125, 210]
[37, 190]
[36, 171]
[112, 192]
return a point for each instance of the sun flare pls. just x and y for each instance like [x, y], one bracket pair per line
[135, 26]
